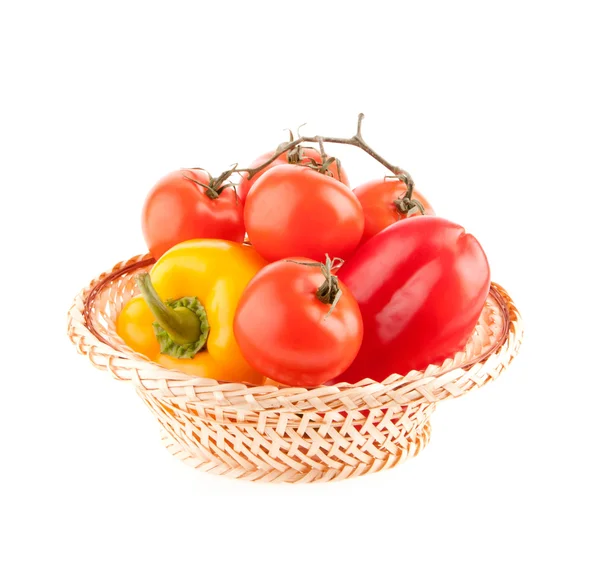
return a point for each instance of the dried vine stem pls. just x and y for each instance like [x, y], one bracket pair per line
[356, 140]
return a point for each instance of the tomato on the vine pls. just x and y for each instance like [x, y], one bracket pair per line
[383, 202]
[294, 210]
[297, 324]
[301, 155]
[183, 205]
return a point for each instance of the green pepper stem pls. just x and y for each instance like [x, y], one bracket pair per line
[182, 325]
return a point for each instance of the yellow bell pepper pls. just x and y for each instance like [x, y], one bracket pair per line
[183, 319]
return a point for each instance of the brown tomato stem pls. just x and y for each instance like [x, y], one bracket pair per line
[356, 140]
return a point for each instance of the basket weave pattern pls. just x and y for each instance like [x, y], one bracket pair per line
[289, 434]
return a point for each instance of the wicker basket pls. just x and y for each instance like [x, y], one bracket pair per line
[265, 433]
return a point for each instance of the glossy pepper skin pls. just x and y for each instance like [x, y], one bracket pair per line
[421, 286]
[216, 272]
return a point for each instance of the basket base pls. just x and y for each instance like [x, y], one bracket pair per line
[217, 467]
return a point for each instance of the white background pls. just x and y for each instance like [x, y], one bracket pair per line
[494, 109]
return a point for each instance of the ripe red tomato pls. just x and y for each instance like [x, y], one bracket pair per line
[306, 154]
[421, 285]
[284, 330]
[378, 200]
[293, 210]
[179, 209]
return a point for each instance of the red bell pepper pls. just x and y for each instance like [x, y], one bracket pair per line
[421, 285]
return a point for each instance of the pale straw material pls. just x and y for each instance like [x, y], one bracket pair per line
[265, 433]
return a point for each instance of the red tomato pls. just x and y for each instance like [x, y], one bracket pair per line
[293, 210]
[178, 209]
[378, 197]
[284, 330]
[307, 154]
[421, 285]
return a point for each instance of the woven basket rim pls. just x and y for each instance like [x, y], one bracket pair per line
[84, 304]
